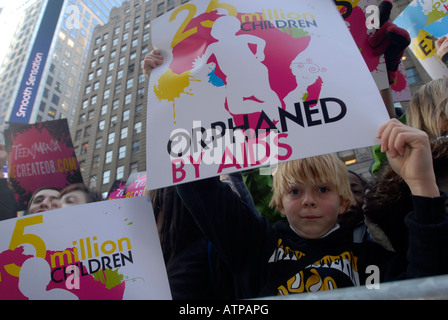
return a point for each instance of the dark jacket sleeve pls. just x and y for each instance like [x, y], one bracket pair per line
[240, 236]
[428, 237]
[8, 205]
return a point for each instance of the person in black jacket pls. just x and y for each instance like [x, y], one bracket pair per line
[8, 204]
[309, 251]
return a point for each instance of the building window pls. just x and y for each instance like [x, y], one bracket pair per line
[130, 83]
[55, 99]
[84, 148]
[413, 76]
[111, 138]
[124, 133]
[102, 125]
[78, 135]
[98, 143]
[348, 156]
[134, 168]
[106, 94]
[109, 155]
[93, 182]
[87, 131]
[139, 110]
[126, 115]
[137, 128]
[104, 109]
[106, 177]
[120, 172]
[128, 99]
[52, 112]
[122, 152]
[95, 162]
[135, 147]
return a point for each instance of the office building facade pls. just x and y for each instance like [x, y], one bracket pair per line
[57, 93]
[109, 130]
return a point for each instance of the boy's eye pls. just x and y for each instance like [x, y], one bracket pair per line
[294, 191]
[324, 189]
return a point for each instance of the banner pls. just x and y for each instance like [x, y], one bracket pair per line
[40, 155]
[133, 187]
[117, 190]
[426, 20]
[108, 250]
[354, 13]
[23, 105]
[247, 84]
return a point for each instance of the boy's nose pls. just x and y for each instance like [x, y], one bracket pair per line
[46, 204]
[308, 200]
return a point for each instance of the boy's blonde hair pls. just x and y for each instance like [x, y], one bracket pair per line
[428, 110]
[317, 170]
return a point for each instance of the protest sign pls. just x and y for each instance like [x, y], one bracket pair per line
[117, 190]
[133, 187]
[355, 13]
[400, 87]
[112, 246]
[40, 155]
[246, 84]
[425, 20]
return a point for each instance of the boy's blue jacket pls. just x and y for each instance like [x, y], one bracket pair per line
[271, 260]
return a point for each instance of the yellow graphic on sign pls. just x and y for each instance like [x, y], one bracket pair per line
[171, 85]
[424, 45]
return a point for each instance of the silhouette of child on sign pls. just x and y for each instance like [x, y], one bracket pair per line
[247, 85]
[34, 279]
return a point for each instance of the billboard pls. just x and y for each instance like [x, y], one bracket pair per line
[29, 86]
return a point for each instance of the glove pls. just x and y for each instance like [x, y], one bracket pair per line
[389, 40]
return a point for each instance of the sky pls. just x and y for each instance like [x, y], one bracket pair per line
[8, 23]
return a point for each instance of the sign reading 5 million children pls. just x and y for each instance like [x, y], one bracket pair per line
[251, 83]
[106, 250]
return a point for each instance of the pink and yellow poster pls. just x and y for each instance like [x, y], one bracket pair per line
[354, 13]
[246, 84]
[108, 250]
[426, 20]
[40, 155]
[133, 187]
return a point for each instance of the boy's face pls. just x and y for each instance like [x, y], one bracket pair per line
[72, 198]
[312, 210]
[42, 201]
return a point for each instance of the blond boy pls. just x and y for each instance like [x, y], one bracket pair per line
[309, 251]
